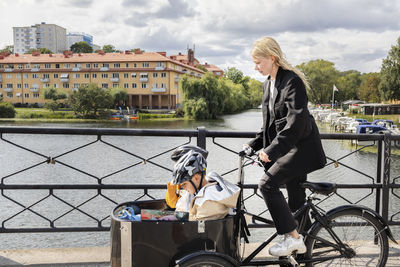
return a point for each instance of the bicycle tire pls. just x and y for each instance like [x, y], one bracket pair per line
[207, 261]
[357, 229]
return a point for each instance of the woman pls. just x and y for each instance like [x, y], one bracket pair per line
[289, 142]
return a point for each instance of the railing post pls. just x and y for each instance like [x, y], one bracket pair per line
[386, 175]
[201, 137]
[379, 172]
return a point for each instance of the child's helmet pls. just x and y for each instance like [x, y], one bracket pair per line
[182, 150]
[188, 165]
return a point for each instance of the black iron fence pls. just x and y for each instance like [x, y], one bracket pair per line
[31, 203]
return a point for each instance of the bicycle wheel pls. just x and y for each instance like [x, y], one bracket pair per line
[207, 261]
[358, 230]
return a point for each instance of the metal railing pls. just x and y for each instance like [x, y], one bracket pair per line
[39, 197]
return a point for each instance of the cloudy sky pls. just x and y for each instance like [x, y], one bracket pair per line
[353, 34]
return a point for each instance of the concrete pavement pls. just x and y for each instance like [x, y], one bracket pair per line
[100, 256]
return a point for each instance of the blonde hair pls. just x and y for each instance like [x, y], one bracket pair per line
[267, 46]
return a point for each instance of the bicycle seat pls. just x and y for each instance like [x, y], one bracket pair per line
[320, 188]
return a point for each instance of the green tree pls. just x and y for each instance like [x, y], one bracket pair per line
[81, 47]
[55, 95]
[255, 93]
[90, 99]
[7, 110]
[109, 49]
[201, 67]
[42, 50]
[119, 96]
[206, 88]
[369, 88]
[390, 74]
[237, 77]
[321, 75]
[348, 84]
[8, 49]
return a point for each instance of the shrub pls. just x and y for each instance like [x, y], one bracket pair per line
[7, 110]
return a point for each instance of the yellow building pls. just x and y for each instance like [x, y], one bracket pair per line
[150, 78]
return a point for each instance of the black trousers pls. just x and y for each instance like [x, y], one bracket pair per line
[280, 210]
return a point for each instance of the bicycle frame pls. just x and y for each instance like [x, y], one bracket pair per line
[307, 208]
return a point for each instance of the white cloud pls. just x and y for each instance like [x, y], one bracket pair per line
[353, 34]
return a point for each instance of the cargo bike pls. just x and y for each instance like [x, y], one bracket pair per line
[349, 235]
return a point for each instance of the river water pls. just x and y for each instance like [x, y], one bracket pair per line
[100, 160]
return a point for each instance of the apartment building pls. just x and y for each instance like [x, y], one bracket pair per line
[191, 60]
[74, 37]
[38, 36]
[151, 78]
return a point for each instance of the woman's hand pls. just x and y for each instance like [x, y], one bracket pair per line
[263, 156]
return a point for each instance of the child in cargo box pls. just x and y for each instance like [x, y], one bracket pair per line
[204, 197]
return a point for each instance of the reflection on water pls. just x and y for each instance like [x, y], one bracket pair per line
[102, 161]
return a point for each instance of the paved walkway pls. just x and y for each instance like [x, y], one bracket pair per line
[100, 256]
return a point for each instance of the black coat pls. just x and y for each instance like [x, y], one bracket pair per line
[289, 135]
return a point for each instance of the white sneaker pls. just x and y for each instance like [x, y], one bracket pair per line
[287, 245]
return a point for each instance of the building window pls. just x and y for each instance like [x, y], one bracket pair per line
[155, 74]
[115, 85]
[115, 75]
[104, 85]
[144, 85]
[145, 64]
[104, 75]
[95, 65]
[77, 75]
[67, 66]
[36, 66]
[126, 75]
[106, 65]
[76, 85]
[35, 76]
[27, 66]
[55, 75]
[9, 95]
[18, 75]
[155, 85]
[8, 76]
[47, 66]
[26, 95]
[19, 85]
[65, 85]
[25, 75]
[133, 75]
[46, 76]
[126, 85]
[35, 95]
[26, 85]
[127, 65]
[86, 75]
[46, 85]
[163, 85]
[134, 65]
[117, 65]
[94, 75]
[88, 65]
[163, 74]
[20, 66]
[55, 85]
[160, 64]
[9, 85]
[134, 85]
[57, 66]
